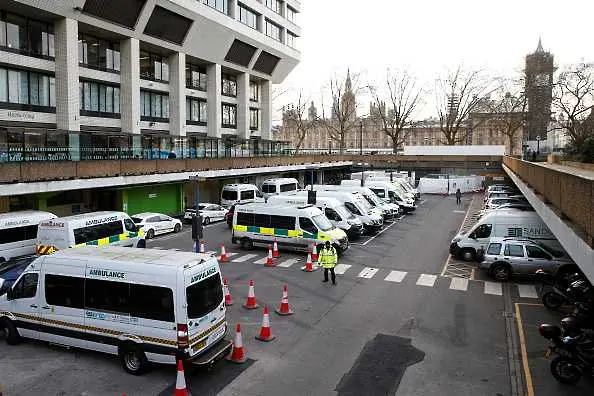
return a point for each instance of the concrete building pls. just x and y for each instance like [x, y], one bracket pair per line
[140, 79]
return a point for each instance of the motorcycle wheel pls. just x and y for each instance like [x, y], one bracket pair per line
[552, 300]
[565, 370]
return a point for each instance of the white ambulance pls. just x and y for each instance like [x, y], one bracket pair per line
[18, 232]
[142, 305]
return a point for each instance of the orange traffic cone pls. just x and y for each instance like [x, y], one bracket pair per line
[202, 249]
[265, 332]
[223, 257]
[308, 264]
[314, 253]
[251, 300]
[228, 300]
[237, 354]
[269, 260]
[180, 383]
[275, 252]
[284, 309]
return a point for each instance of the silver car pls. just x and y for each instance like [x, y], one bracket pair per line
[210, 212]
[512, 256]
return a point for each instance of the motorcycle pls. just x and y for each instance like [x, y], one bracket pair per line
[575, 355]
[559, 291]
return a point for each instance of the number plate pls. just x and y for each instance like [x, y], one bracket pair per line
[548, 353]
[199, 346]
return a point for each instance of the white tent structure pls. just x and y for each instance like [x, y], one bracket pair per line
[448, 184]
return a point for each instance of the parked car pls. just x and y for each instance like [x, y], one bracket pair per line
[518, 206]
[521, 256]
[493, 203]
[156, 223]
[210, 212]
[12, 269]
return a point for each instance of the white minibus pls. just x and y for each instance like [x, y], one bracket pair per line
[277, 186]
[18, 232]
[239, 194]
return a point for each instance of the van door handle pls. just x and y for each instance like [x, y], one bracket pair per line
[530, 260]
[46, 307]
[33, 305]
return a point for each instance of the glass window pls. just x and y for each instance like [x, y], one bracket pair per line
[536, 252]
[220, 5]
[247, 16]
[107, 295]
[291, 40]
[64, 291]
[307, 225]
[2, 33]
[52, 91]
[203, 111]
[254, 91]
[34, 90]
[229, 85]
[195, 77]
[3, 85]
[99, 231]
[108, 99]
[152, 302]
[24, 87]
[94, 97]
[229, 115]
[204, 296]
[254, 119]
[44, 90]
[102, 93]
[273, 30]
[249, 194]
[291, 14]
[352, 208]
[26, 287]
[229, 195]
[282, 222]
[483, 231]
[275, 5]
[16, 33]
[145, 65]
[116, 100]
[494, 248]
[514, 250]
[153, 104]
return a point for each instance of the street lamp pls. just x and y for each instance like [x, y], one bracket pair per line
[361, 137]
[538, 145]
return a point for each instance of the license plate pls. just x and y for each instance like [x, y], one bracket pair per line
[199, 346]
[548, 353]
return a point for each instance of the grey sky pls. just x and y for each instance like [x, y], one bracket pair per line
[426, 37]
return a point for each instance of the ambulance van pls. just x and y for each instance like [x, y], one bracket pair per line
[18, 232]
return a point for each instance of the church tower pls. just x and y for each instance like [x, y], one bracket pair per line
[539, 92]
[348, 102]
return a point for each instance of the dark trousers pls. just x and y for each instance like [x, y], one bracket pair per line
[332, 275]
[457, 200]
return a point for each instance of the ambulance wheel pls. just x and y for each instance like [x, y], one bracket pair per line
[246, 244]
[10, 332]
[150, 234]
[133, 359]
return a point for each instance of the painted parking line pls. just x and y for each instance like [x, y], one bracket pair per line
[340, 269]
[493, 288]
[459, 211]
[422, 202]
[523, 350]
[368, 272]
[378, 234]
[262, 260]
[426, 280]
[527, 291]
[229, 255]
[395, 276]
[289, 262]
[459, 284]
[244, 258]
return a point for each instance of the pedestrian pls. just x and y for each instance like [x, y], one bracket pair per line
[458, 196]
[328, 258]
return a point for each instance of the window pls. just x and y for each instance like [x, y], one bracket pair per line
[379, 192]
[153, 66]
[291, 14]
[99, 231]
[229, 195]
[288, 187]
[274, 31]
[254, 91]
[249, 194]
[129, 225]
[151, 302]
[514, 250]
[536, 252]
[247, 16]
[307, 225]
[291, 40]
[494, 248]
[107, 295]
[331, 214]
[482, 231]
[275, 5]
[254, 119]
[352, 208]
[268, 188]
[322, 223]
[229, 85]
[98, 98]
[196, 111]
[26, 287]
[23, 88]
[64, 291]
[153, 105]
[220, 5]
[17, 234]
[282, 222]
[25, 35]
[246, 219]
[229, 114]
[203, 297]
[196, 77]
[98, 54]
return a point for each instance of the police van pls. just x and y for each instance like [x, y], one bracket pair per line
[142, 305]
[18, 232]
[293, 227]
[282, 185]
[94, 229]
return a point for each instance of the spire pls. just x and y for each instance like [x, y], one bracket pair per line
[347, 85]
[539, 49]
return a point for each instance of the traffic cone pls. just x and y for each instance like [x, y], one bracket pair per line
[202, 249]
[269, 260]
[237, 354]
[308, 264]
[284, 309]
[275, 252]
[180, 383]
[228, 300]
[223, 257]
[265, 332]
[314, 253]
[251, 300]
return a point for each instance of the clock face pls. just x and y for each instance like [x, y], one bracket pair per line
[541, 79]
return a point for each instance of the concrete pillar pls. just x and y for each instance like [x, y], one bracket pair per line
[266, 110]
[243, 106]
[177, 94]
[214, 120]
[130, 85]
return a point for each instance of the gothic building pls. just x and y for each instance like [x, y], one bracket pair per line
[539, 92]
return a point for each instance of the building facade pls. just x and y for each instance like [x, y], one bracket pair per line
[539, 92]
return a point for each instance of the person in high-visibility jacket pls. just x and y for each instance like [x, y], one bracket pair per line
[328, 258]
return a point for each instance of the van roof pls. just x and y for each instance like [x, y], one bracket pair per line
[23, 214]
[510, 213]
[84, 216]
[267, 207]
[119, 254]
[238, 186]
[280, 180]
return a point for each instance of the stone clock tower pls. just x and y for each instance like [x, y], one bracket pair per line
[539, 92]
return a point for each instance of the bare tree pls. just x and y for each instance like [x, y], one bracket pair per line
[509, 107]
[403, 98]
[573, 100]
[458, 94]
[343, 117]
[296, 121]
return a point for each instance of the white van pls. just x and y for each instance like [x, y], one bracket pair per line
[334, 211]
[18, 232]
[293, 227]
[399, 177]
[391, 193]
[390, 210]
[141, 305]
[502, 224]
[89, 229]
[277, 186]
[239, 194]
[357, 205]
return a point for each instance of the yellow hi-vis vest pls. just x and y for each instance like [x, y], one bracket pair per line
[328, 257]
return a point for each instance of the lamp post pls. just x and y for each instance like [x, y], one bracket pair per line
[361, 137]
[538, 145]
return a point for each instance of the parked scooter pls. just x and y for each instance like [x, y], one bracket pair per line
[557, 291]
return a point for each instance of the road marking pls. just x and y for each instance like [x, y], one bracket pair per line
[395, 276]
[176, 249]
[527, 374]
[376, 235]
[289, 262]
[368, 272]
[422, 202]
[244, 258]
[426, 280]
[228, 255]
[527, 291]
[401, 217]
[459, 211]
[340, 269]
[445, 266]
[158, 248]
[459, 284]
[493, 288]
[262, 260]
